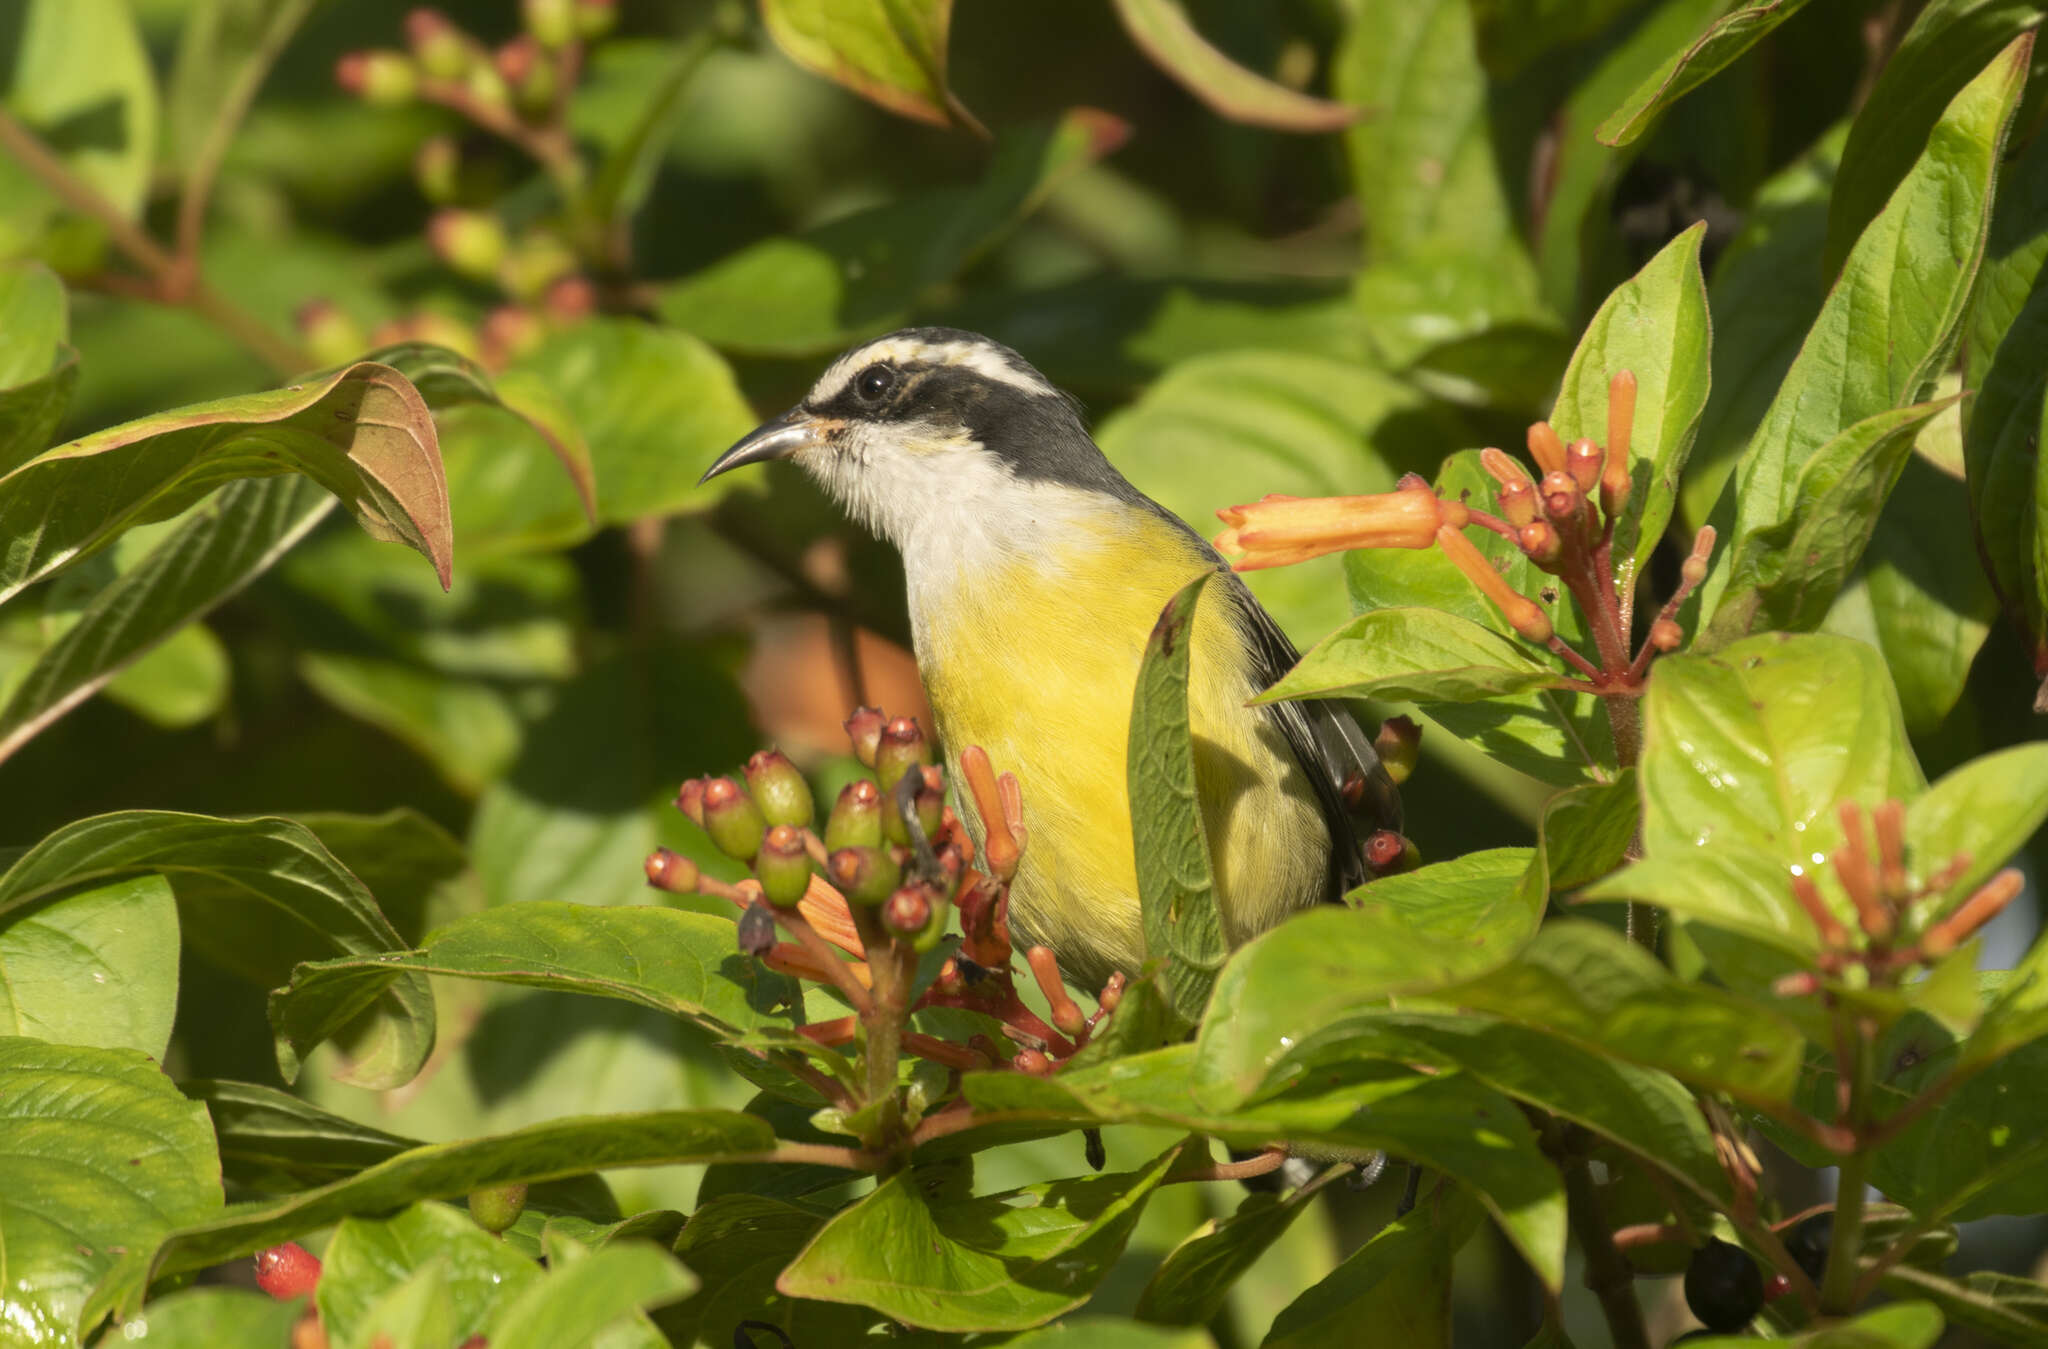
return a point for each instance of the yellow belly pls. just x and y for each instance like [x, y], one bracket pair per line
[1036, 662]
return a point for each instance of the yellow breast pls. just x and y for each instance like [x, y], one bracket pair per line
[1035, 658]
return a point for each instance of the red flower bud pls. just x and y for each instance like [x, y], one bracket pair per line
[672, 872]
[864, 729]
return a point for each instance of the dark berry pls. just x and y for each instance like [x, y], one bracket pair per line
[1723, 1286]
[1807, 1244]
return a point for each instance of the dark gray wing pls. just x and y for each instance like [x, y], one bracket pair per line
[1357, 796]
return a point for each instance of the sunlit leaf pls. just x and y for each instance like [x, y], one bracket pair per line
[88, 968]
[891, 53]
[1725, 39]
[1415, 655]
[370, 1257]
[1163, 31]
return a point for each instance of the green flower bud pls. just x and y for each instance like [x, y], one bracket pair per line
[472, 242]
[486, 87]
[916, 913]
[783, 867]
[437, 168]
[328, 333]
[384, 78]
[856, 819]
[864, 875]
[529, 72]
[864, 730]
[536, 262]
[903, 745]
[552, 22]
[441, 48]
[1398, 744]
[732, 819]
[784, 796]
[497, 1207]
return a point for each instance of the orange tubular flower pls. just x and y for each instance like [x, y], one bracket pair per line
[1280, 531]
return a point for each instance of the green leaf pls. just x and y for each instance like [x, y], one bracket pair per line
[1414, 655]
[1948, 44]
[1193, 1282]
[1399, 1283]
[738, 1245]
[416, 1313]
[103, 1155]
[1176, 887]
[1656, 325]
[30, 412]
[700, 976]
[369, 1258]
[891, 52]
[581, 1298]
[226, 542]
[1746, 755]
[628, 171]
[1987, 809]
[1909, 1325]
[1981, 1150]
[797, 295]
[1236, 424]
[206, 1318]
[34, 323]
[570, 1146]
[271, 862]
[270, 1139]
[1687, 69]
[225, 48]
[1000, 1262]
[177, 684]
[77, 76]
[1783, 571]
[1589, 985]
[1883, 337]
[90, 968]
[1285, 990]
[1163, 31]
[362, 432]
[2003, 1307]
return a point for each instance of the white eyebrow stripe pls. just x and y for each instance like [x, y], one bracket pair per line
[984, 360]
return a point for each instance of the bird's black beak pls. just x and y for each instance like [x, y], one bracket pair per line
[794, 430]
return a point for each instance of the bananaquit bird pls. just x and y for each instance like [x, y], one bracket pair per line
[1036, 573]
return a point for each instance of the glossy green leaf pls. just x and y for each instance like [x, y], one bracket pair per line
[1176, 887]
[1163, 31]
[226, 542]
[416, 1313]
[893, 54]
[1399, 1283]
[1000, 1262]
[362, 432]
[77, 76]
[1194, 1281]
[1783, 571]
[206, 1318]
[738, 1245]
[1908, 1325]
[270, 1139]
[2003, 1307]
[103, 1156]
[1585, 983]
[1237, 424]
[1949, 42]
[1746, 755]
[1987, 809]
[605, 952]
[1415, 655]
[370, 1257]
[583, 1297]
[31, 411]
[90, 968]
[1585, 834]
[270, 862]
[1884, 336]
[570, 1146]
[34, 323]
[1654, 324]
[1716, 48]
[1981, 1150]
[1295, 985]
[802, 294]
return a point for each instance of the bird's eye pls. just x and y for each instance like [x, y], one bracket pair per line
[874, 382]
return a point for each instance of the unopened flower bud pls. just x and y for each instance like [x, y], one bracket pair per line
[1615, 480]
[528, 71]
[595, 18]
[931, 804]
[732, 819]
[497, 1207]
[1583, 461]
[1399, 745]
[437, 168]
[1279, 531]
[908, 911]
[1032, 1061]
[486, 87]
[856, 819]
[552, 22]
[569, 299]
[864, 729]
[1389, 852]
[1694, 570]
[690, 800]
[472, 242]
[287, 1271]
[328, 333]
[1665, 635]
[1517, 502]
[783, 866]
[383, 78]
[1562, 499]
[1540, 542]
[864, 875]
[442, 49]
[445, 330]
[903, 745]
[779, 789]
[756, 929]
[1546, 447]
[670, 871]
[537, 261]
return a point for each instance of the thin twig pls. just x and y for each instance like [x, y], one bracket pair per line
[1265, 1163]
